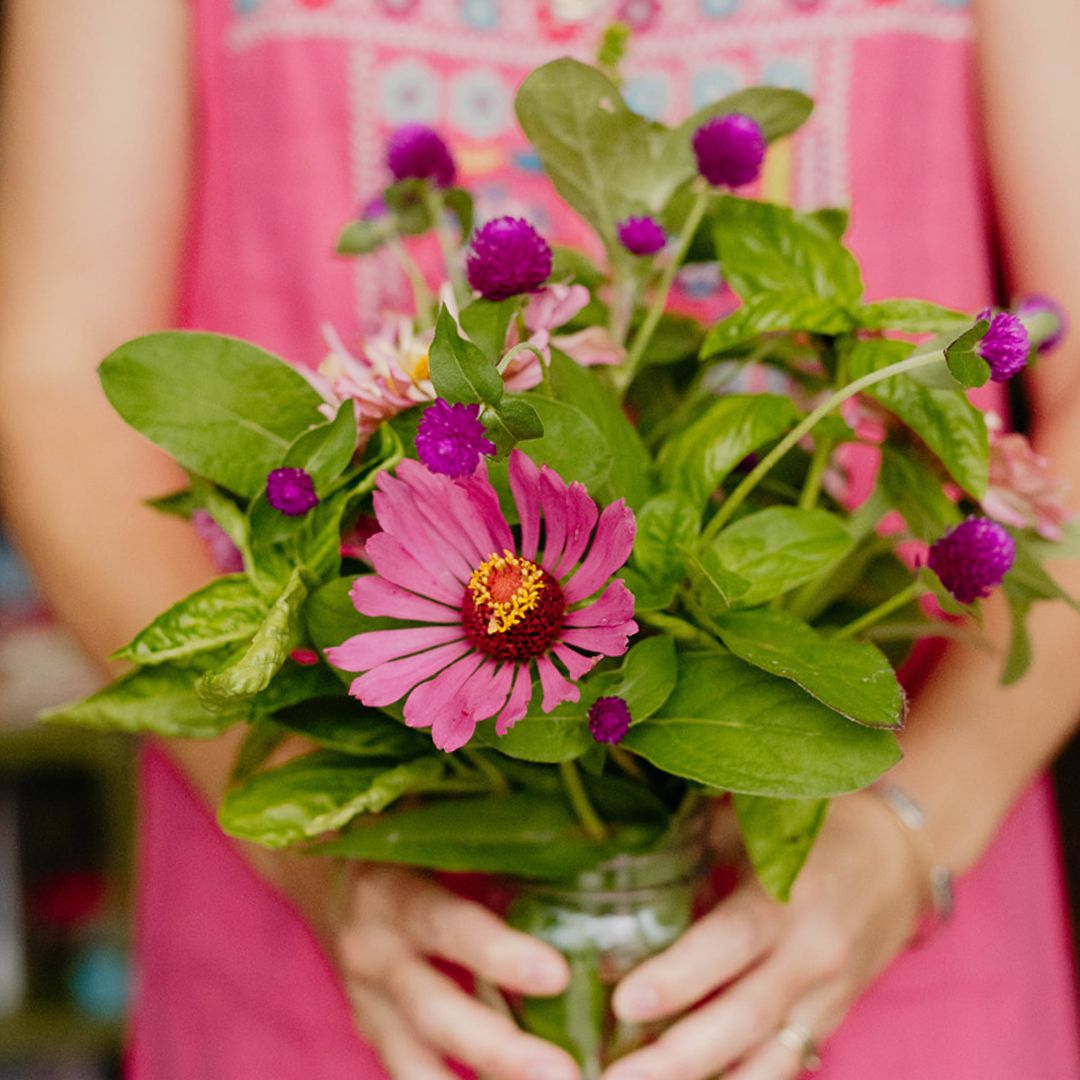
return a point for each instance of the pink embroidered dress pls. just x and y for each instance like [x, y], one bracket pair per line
[295, 99]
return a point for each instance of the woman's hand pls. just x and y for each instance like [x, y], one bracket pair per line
[392, 921]
[852, 910]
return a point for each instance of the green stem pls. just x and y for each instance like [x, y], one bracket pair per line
[436, 207]
[499, 784]
[812, 487]
[677, 628]
[736, 498]
[422, 298]
[517, 350]
[624, 375]
[594, 828]
[626, 762]
[886, 607]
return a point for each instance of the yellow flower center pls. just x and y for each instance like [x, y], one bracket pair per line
[506, 588]
[421, 369]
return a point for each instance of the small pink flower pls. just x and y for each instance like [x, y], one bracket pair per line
[222, 550]
[486, 610]
[1022, 491]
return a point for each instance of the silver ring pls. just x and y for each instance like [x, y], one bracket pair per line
[799, 1041]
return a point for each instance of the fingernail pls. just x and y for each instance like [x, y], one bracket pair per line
[637, 1003]
[542, 978]
[547, 1071]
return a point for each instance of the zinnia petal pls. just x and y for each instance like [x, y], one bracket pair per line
[424, 702]
[518, 703]
[390, 682]
[553, 502]
[579, 666]
[400, 515]
[525, 487]
[610, 549]
[479, 697]
[609, 640]
[375, 596]
[485, 504]
[364, 651]
[445, 496]
[556, 686]
[615, 606]
[581, 515]
[393, 561]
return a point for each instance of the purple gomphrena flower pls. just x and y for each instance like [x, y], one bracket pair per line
[609, 719]
[507, 257]
[450, 439]
[729, 149]
[416, 152]
[291, 491]
[972, 558]
[1041, 304]
[641, 235]
[1005, 346]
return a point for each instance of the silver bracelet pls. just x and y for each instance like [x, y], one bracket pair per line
[910, 815]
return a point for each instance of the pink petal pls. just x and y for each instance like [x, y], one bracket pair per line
[553, 501]
[554, 305]
[485, 504]
[525, 487]
[615, 605]
[424, 701]
[609, 640]
[400, 514]
[481, 696]
[610, 549]
[443, 502]
[523, 373]
[365, 651]
[374, 596]
[389, 682]
[581, 515]
[591, 347]
[579, 666]
[393, 561]
[518, 704]
[557, 687]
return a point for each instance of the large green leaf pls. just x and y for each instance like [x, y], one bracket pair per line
[228, 610]
[157, 700]
[852, 677]
[343, 724]
[460, 371]
[768, 312]
[319, 792]
[571, 444]
[697, 458]
[953, 429]
[666, 525]
[909, 317]
[732, 726]
[779, 548]
[778, 835]
[325, 451]
[777, 110]
[768, 248]
[486, 322]
[526, 834]
[276, 637]
[916, 490]
[222, 408]
[629, 476]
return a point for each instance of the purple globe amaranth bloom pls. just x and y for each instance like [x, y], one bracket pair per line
[972, 558]
[507, 257]
[416, 152]
[1040, 304]
[450, 439]
[641, 235]
[1005, 346]
[609, 719]
[729, 149]
[291, 491]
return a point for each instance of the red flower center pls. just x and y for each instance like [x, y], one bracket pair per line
[512, 608]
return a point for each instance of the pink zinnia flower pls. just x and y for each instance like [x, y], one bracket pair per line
[486, 610]
[1022, 491]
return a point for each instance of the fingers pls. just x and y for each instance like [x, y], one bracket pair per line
[402, 1053]
[734, 935]
[439, 923]
[461, 1028]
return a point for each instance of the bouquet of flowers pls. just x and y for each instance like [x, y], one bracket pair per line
[537, 573]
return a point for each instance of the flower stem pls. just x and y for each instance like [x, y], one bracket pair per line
[626, 762]
[516, 351]
[886, 607]
[812, 487]
[624, 375]
[499, 784]
[436, 207]
[677, 628]
[594, 828]
[753, 478]
[422, 299]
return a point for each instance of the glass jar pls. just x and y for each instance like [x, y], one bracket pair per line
[606, 922]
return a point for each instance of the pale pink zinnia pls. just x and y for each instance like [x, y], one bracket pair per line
[1022, 491]
[487, 610]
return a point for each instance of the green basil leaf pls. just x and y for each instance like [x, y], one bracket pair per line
[526, 834]
[262, 739]
[460, 371]
[325, 451]
[909, 317]
[365, 236]
[510, 422]
[696, 459]
[779, 548]
[222, 408]
[571, 266]
[732, 726]
[777, 110]
[275, 638]
[968, 368]
[228, 610]
[319, 792]
[915, 489]
[778, 835]
[666, 524]
[953, 429]
[486, 322]
[769, 312]
[715, 586]
[344, 725]
[852, 678]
